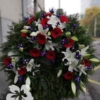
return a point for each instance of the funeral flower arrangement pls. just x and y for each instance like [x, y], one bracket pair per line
[47, 56]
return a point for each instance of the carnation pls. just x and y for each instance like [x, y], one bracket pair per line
[64, 19]
[86, 62]
[44, 21]
[30, 20]
[56, 32]
[22, 71]
[35, 52]
[69, 43]
[50, 55]
[7, 61]
[24, 35]
[68, 75]
[41, 39]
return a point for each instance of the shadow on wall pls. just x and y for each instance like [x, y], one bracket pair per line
[3, 95]
[3, 86]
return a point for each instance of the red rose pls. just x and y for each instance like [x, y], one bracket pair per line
[51, 55]
[35, 52]
[48, 14]
[64, 19]
[24, 35]
[41, 39]
[86, 62]
[69, 43]
[68, 75]
[44, 21]
[30, 20]
[7, 61]
[22, 71]
[56, 32]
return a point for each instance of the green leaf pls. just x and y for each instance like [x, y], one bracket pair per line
[94, 60]
[59, 73]
[73, 87]
[74, 38]
[24, 31]
[82, 86]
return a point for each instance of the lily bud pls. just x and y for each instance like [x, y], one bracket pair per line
[68, 34]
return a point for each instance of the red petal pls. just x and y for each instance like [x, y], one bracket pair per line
[41, 39]
[51, 55]
[56, 32]
[35, 52]
[24, 35]
[48, 14]
[69, 44]
[30, 20]
[7, 61]
[64, 19]
[86, 62]
[22, 71]
[44, 21]
[68, 75]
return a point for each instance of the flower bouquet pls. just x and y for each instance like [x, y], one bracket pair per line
[47, 56]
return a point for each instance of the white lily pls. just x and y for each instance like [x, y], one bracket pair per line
[62, 25]
[68, 55]
[53, 21]
[43, 31]
[83, 51]
[82, 69]
[37, 22]
[31, 65]
[72, 65]
[14, 89]
[49, 45]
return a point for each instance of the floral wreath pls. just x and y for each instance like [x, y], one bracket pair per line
[45, 59]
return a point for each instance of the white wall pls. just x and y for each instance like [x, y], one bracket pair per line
[41, 3]
[11, 9]
[28, 4]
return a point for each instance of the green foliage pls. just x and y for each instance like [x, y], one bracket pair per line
[45, 85]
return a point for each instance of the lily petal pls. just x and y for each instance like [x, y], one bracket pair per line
[43, 31]
[28, 82]
[17, 98]
[29, 96]
[16, 78]
[25, 88]
[83, 51]
[14, 88]
[9, 97]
